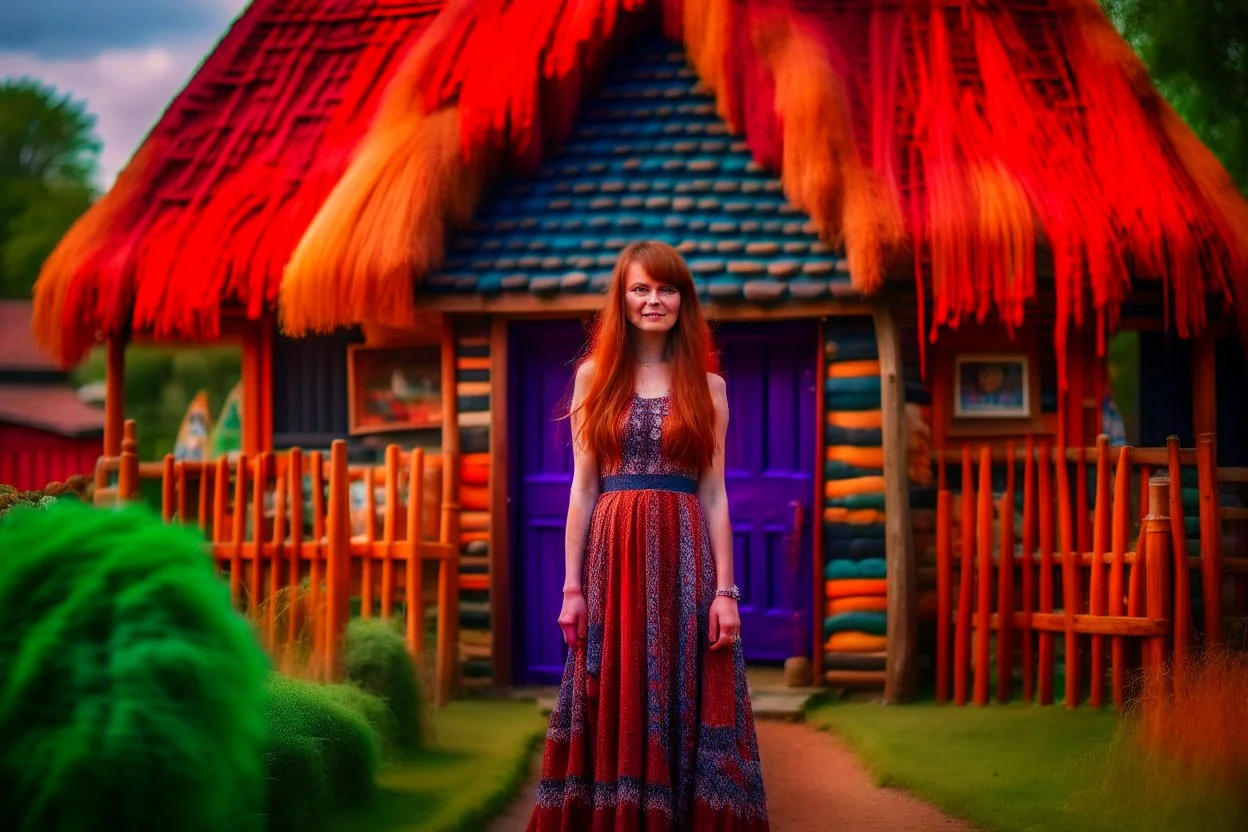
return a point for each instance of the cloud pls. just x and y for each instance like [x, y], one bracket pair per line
[61, 29]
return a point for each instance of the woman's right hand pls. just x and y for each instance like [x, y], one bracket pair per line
[573, 617]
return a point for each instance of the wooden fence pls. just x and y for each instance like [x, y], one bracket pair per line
[299, 552]
[1113, 580]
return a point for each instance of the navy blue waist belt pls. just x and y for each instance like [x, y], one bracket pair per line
[649, 482]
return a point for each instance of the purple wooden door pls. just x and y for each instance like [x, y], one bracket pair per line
[770, 460]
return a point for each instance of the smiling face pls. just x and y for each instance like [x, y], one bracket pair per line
[651, 306]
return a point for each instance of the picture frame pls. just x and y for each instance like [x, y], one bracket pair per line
[993, 386]
[394, 387]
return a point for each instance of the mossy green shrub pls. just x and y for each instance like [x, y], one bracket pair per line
[73, 487]
[298, 787]
[310, 728]
[130, 691]
[375, 657]
[374, 710]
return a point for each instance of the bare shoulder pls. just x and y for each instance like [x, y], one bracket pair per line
[719, 394]
[585, 374]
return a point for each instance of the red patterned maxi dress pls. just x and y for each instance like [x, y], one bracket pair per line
[652, 729]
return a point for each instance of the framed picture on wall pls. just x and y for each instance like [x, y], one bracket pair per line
[992, 386]
[394, 387]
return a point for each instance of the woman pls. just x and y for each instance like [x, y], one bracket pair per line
[653, 728]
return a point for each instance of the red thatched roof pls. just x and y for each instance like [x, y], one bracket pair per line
[211, 206]
[962, 131]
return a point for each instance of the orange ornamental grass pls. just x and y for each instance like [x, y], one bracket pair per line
[1182, 753]
[1198, 722]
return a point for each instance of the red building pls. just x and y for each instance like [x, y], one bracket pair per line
[46, 432]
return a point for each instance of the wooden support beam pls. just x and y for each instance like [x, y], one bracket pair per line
[114, 395]
[500, 527]
[253, 379]
[267, 334]
[1204, 384]
[447, 660]
[902, 650]
[817, 553]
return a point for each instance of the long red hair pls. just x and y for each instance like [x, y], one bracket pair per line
[689, 433]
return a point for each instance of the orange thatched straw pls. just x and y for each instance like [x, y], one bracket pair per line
[465, 101]
[383, 225]
[707, 26]
[821, 168]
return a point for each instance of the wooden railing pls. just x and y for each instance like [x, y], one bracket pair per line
[1073, 569]
[281, 527]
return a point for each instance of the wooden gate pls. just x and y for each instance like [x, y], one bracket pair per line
[1072, 569]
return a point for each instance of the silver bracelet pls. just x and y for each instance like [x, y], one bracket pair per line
[731, 592]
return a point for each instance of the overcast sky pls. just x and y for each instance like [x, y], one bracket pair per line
[124, 58]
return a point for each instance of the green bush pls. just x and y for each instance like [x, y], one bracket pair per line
[374, 710]
[309, 728]
[298, 792]
[375, 657]
[130, 691]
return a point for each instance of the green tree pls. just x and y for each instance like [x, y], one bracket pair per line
[1197, 54]
[48, 161]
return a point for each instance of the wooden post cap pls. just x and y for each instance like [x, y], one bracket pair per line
[1159, 497]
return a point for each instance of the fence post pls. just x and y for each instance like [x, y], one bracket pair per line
[1005, 585]
[337, 561]
[944, 590]
[1120, 537]
[448, 582]
[1071, 564]
[239, 530]
[413, 579]
[167, 495]
[1029, 570]
[983, 613]
[388, 531]
[128, 472]
[966, 601]
[1210, 537]
[259, 479]
[1178, 546]
[1096, 584]
[1156, 548]
[1047, 505]
[294, 463]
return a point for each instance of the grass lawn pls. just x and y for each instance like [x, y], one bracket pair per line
[1006, 768]
[480, 755]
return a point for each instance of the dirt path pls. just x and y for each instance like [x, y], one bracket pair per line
[814, 783]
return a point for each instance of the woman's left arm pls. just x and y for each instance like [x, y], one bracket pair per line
[713, 495]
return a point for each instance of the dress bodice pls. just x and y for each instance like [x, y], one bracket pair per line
[641, 440]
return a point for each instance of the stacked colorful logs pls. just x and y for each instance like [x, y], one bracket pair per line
[855, 625]
[472, 390]
[855, 590]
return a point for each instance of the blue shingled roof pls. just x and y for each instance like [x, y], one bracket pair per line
[648, 159]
